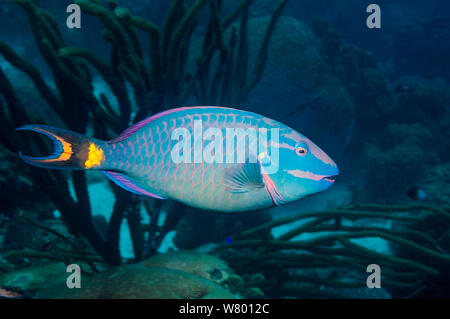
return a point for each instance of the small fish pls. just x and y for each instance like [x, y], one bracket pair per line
[11, 293]
[416, 193]
[401, 88]
[145, 159]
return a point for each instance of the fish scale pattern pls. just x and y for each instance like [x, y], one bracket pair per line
[145, 156]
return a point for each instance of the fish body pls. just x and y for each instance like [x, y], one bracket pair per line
[212, 158]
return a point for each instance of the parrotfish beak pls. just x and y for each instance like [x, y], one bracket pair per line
[331, 178]
[332, 174]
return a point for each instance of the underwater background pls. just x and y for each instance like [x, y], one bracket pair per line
[376, 100]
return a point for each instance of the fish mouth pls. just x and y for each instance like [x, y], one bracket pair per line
[330, 179]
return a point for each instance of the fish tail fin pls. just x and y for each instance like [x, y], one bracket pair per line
[70, 150]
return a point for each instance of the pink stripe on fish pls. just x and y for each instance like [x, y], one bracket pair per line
[270, 186]
[269, 121]
[306, 174]
[293, 135]
[317, 152]
[283, 145]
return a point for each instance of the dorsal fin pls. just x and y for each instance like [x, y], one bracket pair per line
[132, 129]
[129, 184]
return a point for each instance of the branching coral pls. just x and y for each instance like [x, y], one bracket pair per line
[293, 266]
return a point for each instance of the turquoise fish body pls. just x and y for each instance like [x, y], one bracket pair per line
[154, 158]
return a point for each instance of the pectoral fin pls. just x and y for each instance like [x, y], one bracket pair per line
[242, 178]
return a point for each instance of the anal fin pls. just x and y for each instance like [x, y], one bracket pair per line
[129, 184]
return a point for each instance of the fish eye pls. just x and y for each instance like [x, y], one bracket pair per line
[301, 151]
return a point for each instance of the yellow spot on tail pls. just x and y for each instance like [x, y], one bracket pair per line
[95, 156]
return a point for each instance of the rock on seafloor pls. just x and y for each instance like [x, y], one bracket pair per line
[206, 266]
[139, 282]
[33, 278]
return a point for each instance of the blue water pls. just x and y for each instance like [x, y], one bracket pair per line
[376, 100]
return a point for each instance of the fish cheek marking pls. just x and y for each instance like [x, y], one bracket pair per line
[304, 174]
[277, 198]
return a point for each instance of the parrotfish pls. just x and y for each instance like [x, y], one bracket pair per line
[212, 158]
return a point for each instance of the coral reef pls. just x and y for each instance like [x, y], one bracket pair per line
[13, 186]
[158, 79]
[30, 279]
[390, 134]
[399, 130]
[193, 228]
[206, 266]
[297, 87]
[137, 282]
[435, 183]
[412, 142]
[334, 260]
